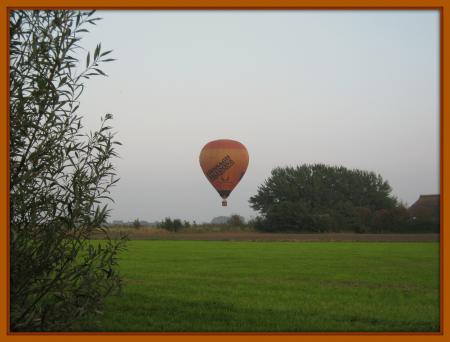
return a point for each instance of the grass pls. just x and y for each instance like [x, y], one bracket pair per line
[173, 286]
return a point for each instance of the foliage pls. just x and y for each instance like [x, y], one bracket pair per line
[415, 225]
[236, 220]
[321, 198]
[137, 223]
[176, 224]
[166, 223]
[171, 225]
[60, 177]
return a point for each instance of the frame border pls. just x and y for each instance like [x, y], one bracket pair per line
[347, 5]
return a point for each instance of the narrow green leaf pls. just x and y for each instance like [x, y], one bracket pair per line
[106, 53]
[97, 51]
[100, 72]
[62, 81]
[78, 19]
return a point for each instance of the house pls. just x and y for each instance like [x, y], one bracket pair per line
[427, 207]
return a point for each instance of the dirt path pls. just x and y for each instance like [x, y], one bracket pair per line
[149, 234]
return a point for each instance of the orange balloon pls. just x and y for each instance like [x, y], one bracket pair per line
[224, 163]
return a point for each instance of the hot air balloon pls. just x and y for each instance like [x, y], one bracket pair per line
[224, 163]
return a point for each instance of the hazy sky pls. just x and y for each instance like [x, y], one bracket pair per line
[352, 88]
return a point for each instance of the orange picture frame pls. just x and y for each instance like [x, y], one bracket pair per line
[440, 5]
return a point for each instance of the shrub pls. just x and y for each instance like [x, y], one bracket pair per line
[176, 225]
[236, 220]
[59, 176]
[171, 225]
[136, 224]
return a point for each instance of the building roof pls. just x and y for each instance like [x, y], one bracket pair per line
[426, 204]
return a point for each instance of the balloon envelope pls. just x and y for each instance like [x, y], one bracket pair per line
[224, 163]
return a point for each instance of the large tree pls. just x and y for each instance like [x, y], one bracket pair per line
[321, 198]
[60, 177]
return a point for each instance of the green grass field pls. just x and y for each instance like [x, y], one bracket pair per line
[275, 286]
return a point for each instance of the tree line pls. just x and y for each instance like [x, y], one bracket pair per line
[176, 224]
[322, 198]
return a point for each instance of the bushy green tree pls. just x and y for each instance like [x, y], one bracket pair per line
[176, 225]
[171, 225]
[137, 224]
[390, 220]
[320, 198]
[60, 177]
[166, 224]
[236, 220]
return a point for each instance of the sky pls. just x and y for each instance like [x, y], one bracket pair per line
[353, 88]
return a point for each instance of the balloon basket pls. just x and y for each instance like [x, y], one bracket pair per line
[224, 203]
